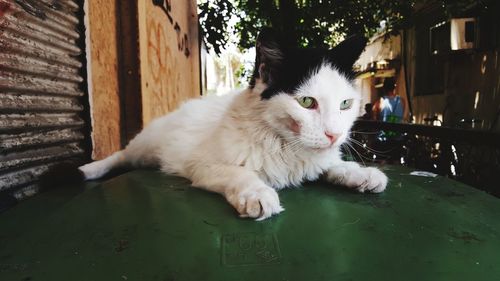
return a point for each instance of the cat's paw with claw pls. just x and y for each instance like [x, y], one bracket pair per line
[362, 179]
[255, 202]
[370, 179]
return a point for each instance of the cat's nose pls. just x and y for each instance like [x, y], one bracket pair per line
[332, 137]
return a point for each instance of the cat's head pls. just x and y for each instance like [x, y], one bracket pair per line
[308, 94]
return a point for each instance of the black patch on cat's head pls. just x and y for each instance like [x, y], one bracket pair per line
[283, 67]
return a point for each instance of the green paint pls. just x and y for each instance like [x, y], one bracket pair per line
[144, 225]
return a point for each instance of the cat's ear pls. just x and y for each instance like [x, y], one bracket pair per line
[269, 54]
[345, 54]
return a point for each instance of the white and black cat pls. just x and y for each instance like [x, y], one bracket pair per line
[286, 128]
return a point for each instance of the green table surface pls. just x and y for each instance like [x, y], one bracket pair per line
[144, 225]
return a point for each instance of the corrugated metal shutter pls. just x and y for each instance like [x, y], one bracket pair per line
[41, 101]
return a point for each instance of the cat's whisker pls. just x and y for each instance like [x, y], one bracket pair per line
[365, 133]
[294, 147]
[361, 157]
[364, 146]
[348, 150]
[371, 159]
[283, 148]
[366, 157]
[291, 148]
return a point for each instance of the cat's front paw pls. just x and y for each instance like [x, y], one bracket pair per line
[255, 202]
[363, 179]
[371, 180]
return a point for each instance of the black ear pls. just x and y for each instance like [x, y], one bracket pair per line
[269, 54]
[345, 54]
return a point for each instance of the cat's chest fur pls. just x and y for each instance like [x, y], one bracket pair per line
[291, 169]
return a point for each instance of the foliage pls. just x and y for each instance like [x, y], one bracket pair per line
[214, 17]
[313, 23]
[318, 23]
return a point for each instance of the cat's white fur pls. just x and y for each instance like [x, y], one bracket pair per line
[246, 148]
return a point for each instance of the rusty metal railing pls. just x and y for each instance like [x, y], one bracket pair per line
[470, 156]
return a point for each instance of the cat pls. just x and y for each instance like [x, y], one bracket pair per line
[285, 128]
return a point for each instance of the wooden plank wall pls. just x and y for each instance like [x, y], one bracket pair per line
[169, 55]
[168, 65]
[102, 68]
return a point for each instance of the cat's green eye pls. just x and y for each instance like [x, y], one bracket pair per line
[307, 102]
[346, 104]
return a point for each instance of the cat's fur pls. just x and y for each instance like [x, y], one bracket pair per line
[246, 146]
